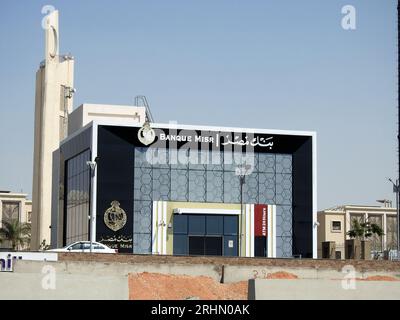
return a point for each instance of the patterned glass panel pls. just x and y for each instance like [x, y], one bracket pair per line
[142, 158]
[232, 160]
[142, 217]
[216, 161]
[184, 178]
[159, 157]
[266, 162]
[250, 159]
[231, 187]
[284, 247]
[215, 186]
[178, 159]
[143, 184]
[284, 221]
[266, 188]
[250, 189]
[284, 189]
[179, 185]
[198, 159]
[283, 163]
[142, 243]
[197, 185]
[161, 184]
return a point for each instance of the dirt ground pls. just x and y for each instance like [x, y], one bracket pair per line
[156, 286]
[379, 278]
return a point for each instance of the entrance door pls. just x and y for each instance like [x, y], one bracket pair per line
[260, 246]
[205, 246]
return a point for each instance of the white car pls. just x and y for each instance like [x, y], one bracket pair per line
[84, 246]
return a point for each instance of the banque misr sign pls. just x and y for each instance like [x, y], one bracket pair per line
[159, 138]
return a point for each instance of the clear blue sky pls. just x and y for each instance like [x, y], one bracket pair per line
[265, 64]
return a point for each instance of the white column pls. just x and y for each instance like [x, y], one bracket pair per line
[252, 230]
[93, 180]
[159, 227]
[154, 228]
[271, 229]
[165, 227]
[245, 234]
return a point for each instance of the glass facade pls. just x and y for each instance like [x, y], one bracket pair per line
[201, 176]
[77, 198]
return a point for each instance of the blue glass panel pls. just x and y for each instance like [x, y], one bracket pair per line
[230, 225]
[180, 244]
[180, 224]
[197, 224]
[214, 225]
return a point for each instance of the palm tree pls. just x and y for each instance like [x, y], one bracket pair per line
[18, 233]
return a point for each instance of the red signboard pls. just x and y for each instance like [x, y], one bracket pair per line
[260, 220]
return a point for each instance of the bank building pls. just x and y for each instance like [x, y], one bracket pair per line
[117, 177]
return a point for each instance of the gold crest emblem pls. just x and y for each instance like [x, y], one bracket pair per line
[146, 134]
[115, 216]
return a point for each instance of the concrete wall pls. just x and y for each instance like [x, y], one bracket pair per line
[322, 289]
[85, 280]
[85, 113]
[67, 286]
[105, 276]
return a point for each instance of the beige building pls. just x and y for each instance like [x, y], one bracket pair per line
[334, 223]
[14, 206]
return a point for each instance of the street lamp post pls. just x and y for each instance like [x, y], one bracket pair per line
[242, 171]
[396, 189]
[92, 170]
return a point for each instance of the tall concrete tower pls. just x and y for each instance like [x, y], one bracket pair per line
[53, 103]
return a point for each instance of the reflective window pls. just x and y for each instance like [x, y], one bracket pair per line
[77, 197]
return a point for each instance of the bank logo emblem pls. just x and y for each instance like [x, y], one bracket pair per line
[115, 216]
[146, 134]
